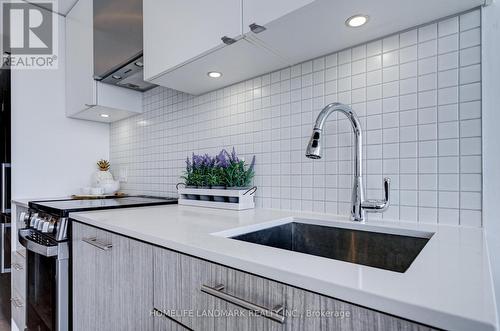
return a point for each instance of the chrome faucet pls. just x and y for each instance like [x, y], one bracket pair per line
[313, 151]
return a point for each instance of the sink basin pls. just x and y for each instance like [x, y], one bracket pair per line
[388, 251]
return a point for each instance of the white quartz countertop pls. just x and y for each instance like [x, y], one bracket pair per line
[24, 202]
[21, 202]
[447, 286]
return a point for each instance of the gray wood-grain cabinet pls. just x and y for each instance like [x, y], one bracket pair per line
[112, 281]
[179, 280]
[123, 284]
[178, 294]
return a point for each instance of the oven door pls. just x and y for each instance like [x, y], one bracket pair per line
[41, 292]
[47, 285]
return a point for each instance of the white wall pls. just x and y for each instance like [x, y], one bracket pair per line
[491, 137]
[51, 155]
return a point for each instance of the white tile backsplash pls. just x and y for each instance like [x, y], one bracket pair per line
[418, 96]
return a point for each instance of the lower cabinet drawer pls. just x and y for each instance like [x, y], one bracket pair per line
[18, 273]
[313, 311]
[206, 296]
[18, 309]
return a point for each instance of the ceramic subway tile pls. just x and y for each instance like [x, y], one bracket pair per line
[448, 164]
[390, 43]
[470, 128]
[374, 62]
[470, 56]
[447, 27]
[448, 95]
[448, 113]
[470, 164]
[448, 44]
[390, 58]
[470, 92]
[422, 127]
[407, 70]
[359, 52]
[408, 85]
[470, 218]
[470, 74]
[428, 48]
[470, 38]
[427, 65]
[408, 38]
[448, 78]
[374, 48]
[427, 82]
[448, 61]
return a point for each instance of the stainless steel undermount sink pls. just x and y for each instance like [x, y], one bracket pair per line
[389, 251]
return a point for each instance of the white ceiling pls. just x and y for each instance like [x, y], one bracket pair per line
[62, 6]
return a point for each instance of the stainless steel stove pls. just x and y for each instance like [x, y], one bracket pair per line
[46, 238]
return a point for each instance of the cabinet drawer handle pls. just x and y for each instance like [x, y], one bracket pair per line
[17, 266]
[228, 41]
[276, 314]
[99, 244]
[255, 28]
[17, 303]
[90, 105]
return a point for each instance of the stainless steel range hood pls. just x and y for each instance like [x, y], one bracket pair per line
[118, 43]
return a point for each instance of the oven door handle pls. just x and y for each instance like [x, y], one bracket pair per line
[3, 231]
[34, 247]
[4, 204]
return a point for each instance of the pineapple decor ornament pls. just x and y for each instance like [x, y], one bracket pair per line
[103, 175]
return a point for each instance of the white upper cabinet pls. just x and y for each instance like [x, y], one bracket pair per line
[262, 12]
[183, 38]
[87, 98]
[177, 31]
[319, 28]
[241, 59]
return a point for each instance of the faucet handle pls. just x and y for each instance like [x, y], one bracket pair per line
[372, 205]
[387, 188]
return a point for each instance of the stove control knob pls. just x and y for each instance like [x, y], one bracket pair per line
[24, 217]
[51, 226]
[35, 221]
[32, 220]
[39, 225]
[45, 226]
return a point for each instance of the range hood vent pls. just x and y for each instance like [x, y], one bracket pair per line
[118, 43]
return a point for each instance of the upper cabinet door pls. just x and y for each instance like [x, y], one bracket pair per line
[262, 12]
[80, 85]
[178, 31]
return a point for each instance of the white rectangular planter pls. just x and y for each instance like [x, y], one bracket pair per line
[245, 198]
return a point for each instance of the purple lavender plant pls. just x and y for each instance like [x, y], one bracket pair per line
[233, 157]
[221, 160]
[207, 161]
[197, 161]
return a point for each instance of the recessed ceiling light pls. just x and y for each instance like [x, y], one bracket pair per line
[104, 115]
[356, 20]
[214, 74]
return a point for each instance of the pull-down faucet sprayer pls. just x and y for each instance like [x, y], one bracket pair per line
[313, 151]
